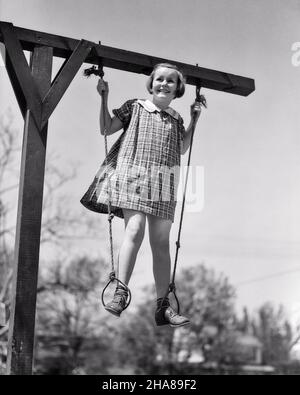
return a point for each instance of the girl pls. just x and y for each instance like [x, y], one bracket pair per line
[143, 167]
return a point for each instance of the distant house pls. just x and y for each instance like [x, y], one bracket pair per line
[249, 349]
[247, 357]
[295, 352]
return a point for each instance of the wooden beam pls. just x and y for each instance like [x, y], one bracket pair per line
[136, 62]
[64, 78]
[27, 243]
[21, 71]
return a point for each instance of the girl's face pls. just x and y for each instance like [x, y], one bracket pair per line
[164, 85]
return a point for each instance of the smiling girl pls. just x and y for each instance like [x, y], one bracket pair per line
[143, 168]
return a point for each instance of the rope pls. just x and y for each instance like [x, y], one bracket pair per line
[172, 288]
[110, 214]
[112, 276]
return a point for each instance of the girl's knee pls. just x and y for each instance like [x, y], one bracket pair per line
[159, 233]
[135, 225]
[135, 232]
[160, 243]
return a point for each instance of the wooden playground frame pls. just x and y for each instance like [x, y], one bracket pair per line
[38, 97]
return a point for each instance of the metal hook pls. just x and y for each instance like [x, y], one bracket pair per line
[100, 65]
[198, 88]
[95, 70]
[198, 96]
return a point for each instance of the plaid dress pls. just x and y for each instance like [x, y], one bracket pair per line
[143, 165]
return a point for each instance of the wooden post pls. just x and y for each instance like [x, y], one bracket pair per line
[37, 99]
[27, 245]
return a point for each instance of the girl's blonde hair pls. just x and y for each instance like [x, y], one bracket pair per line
[180, 82]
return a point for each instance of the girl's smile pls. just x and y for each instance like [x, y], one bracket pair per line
[164, 86]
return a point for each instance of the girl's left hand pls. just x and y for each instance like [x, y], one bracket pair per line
[195, 111]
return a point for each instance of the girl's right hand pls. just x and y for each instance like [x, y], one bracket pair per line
[102, 88]
[195, 111]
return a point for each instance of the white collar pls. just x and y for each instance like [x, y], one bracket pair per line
[151, 107]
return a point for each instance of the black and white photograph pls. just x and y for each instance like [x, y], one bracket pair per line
[149, 190]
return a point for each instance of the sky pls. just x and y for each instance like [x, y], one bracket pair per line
[246, 147]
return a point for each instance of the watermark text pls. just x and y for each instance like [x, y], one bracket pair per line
[155, 184]
[296, 54]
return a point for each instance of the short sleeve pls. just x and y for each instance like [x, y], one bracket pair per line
[124, 113]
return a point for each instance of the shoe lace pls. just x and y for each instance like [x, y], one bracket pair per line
[172, 313]
[120, 298]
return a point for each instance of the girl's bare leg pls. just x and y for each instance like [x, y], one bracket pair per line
[134, 233]
[159, 233]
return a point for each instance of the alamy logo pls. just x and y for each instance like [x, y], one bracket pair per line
[296, 55]
[156, 184]
[2, 55]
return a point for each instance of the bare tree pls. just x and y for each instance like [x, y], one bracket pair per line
[276, 333]
[68, 310]
[8, 149]
[60, 223]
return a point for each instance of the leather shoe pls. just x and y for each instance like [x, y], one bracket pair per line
[118, 304]
[165, 315]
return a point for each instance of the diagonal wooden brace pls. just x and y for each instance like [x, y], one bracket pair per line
[16, 85]
[21, 72]
[64, 78]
